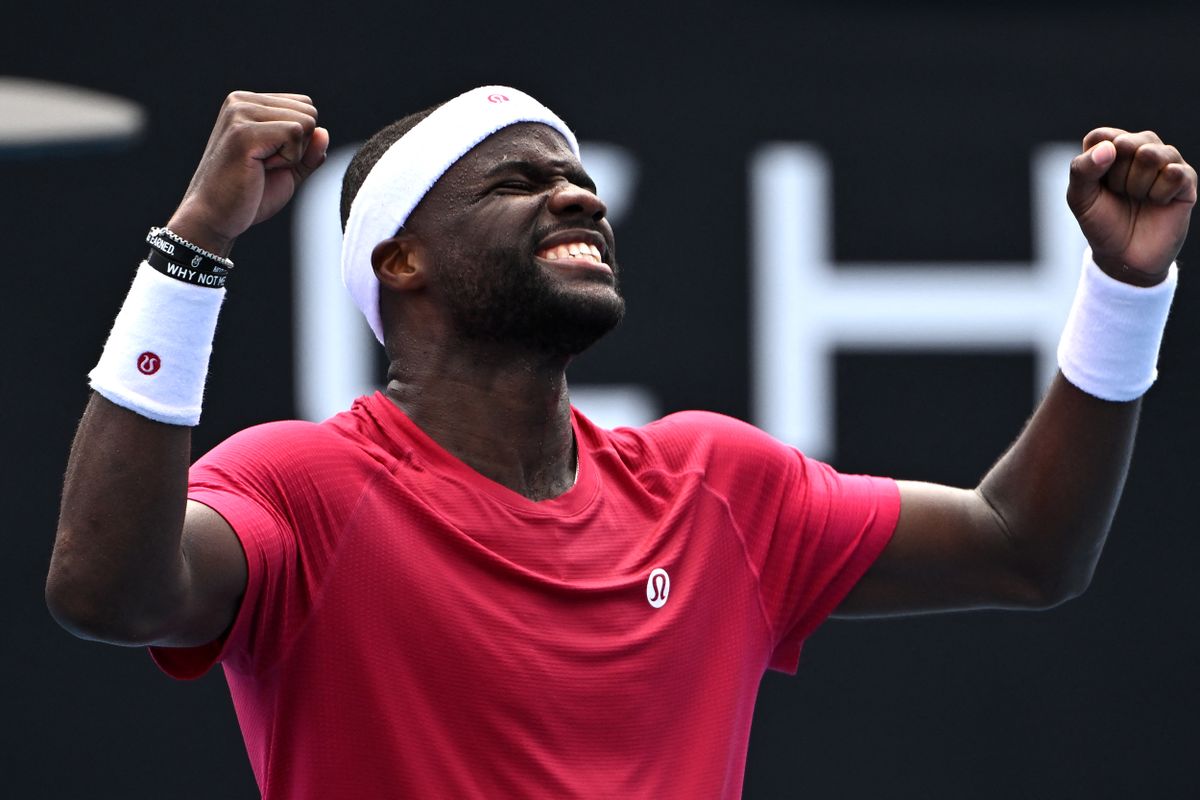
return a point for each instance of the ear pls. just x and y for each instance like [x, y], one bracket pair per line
[399, 262]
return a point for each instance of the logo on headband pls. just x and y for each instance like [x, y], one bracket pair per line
[497, 98]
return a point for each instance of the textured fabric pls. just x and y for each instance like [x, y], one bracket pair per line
[413, 629]
[156, 358]
[1109, 346]
[410, 168]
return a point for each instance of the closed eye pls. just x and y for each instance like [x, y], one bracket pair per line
[514, 186]
[529, 176]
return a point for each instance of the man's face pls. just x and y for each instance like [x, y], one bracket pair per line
[519, 247]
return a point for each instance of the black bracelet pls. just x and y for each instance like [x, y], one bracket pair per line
[185, 272]
[181, 251]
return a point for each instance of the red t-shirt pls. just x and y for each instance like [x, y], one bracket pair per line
[413, 629]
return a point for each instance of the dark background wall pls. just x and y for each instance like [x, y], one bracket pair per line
[929, 116]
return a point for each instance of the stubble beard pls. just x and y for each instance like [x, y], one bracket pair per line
[505, 298]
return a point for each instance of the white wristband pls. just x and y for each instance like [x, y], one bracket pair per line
[156, 358]
[1109, 347]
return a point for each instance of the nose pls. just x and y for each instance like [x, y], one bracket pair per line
[571, 199]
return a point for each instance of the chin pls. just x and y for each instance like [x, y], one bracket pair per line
[507, 300]
[578, 324]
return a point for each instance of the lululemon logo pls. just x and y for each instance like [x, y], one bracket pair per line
[148, 363]
[497, 98]
[658, 586]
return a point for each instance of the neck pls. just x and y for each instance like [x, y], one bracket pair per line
[505, 415]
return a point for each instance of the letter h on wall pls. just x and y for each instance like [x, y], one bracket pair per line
[804, 306]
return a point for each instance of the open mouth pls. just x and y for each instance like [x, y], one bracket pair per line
[574, 251]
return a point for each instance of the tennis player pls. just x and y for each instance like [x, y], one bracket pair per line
[462, 587]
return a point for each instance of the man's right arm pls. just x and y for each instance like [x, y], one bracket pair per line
[134, 561]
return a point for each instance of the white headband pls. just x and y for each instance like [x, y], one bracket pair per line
[410, 168]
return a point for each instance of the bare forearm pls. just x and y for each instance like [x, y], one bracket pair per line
[117, 564]
[132, 563]
[1056, 490]
[1028, 536]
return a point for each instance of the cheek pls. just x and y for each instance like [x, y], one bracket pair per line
[509, 226]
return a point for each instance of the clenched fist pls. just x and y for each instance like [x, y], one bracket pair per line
[261, 148]
[1133, 197]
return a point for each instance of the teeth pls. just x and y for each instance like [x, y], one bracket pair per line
[572, 250]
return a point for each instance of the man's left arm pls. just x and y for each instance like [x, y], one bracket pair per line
[1030, 534]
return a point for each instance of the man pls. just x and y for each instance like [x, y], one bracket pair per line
[463, 588]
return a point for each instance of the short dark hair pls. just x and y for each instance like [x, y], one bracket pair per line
[370, 153]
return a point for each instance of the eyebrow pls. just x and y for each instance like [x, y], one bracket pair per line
[542, 169]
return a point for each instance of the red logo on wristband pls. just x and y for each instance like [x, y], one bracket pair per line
[148, 363]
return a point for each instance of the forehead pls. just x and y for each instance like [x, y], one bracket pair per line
[525, 141]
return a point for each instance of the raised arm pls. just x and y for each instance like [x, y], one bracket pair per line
[134, 562]
[1030, 534]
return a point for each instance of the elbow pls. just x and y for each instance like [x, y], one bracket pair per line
[73, 610]
[83, 612]
[87, 616]
[1065, 589]
[1050, 586]
[90, 608]
[1047, 566]
[1052, 596]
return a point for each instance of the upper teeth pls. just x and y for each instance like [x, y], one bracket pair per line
[571, 250]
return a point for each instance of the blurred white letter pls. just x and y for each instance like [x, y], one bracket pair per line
[804, 306]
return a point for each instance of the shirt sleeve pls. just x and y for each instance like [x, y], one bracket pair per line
[263, 482]
[809, 532]
[829, 530]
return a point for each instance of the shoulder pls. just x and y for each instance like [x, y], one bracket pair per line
[704, 440]
[291, 455]
[696, 431]
[714, 428]
[282, 441]
[350, 434]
